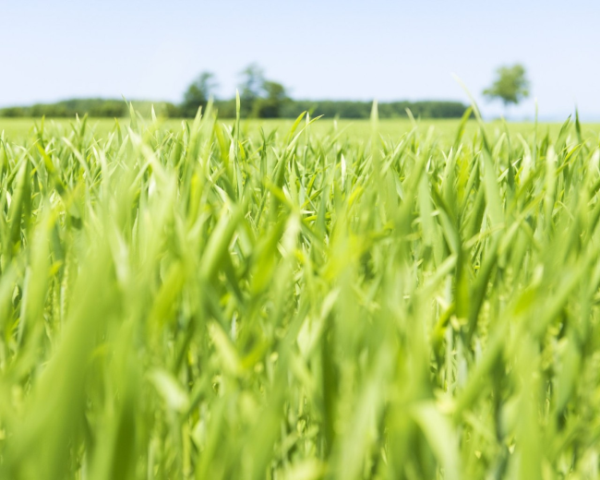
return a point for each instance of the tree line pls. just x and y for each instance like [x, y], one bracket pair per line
[259, 98]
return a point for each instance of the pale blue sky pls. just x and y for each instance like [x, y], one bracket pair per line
[55, 49]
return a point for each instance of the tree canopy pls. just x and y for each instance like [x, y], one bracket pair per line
[260, 98]
[510, 86]
[198, 94]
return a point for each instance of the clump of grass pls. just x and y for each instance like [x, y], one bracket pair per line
[201, 303]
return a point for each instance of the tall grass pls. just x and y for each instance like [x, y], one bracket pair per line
[200, 303]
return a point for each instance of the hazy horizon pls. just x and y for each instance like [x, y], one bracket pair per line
[56, 50]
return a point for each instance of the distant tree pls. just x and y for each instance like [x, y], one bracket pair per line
[251, 88]
[511, 85]
[171, 110]
[198, 94]
[13, 112]
[271, 105]
[108, 109]
[260, 97]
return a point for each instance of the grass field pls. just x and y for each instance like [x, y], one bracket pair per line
[388, 301]
[445, 130]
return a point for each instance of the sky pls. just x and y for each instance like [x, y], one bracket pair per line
[334, 49]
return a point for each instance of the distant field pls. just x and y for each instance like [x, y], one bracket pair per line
[19, 129]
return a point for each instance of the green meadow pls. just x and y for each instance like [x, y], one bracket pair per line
[20, 129]
[299, 300]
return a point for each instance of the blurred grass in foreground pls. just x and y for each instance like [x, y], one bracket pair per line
[204, 301]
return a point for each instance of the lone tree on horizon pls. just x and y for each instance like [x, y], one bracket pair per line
[510, 86]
